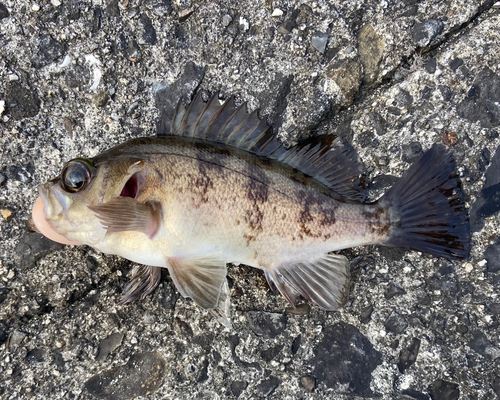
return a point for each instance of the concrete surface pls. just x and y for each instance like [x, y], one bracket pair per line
[78, 76]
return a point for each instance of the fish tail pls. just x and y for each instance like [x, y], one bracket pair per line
[428, 207]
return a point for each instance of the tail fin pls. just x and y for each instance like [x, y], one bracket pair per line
[429, 203]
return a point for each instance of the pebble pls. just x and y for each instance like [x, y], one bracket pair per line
[6, 214]
[308, 382]
[226, 20]
[142, 375]
[108, 345]
[468, 267]
[268, 325]
[4, 12]
[396, 323]
[55, 3]
[16, 338]
[355, 359]
[35, 7]
[100, 99]
[444, 390]
[185, 14]
[2, 107]
[319, 41]
[425, 32]
[277, 13]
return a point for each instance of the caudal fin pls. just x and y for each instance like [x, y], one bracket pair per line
[429, 204]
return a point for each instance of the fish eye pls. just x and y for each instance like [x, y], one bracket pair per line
[76, 175]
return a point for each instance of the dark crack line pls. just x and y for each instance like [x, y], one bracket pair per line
[366, 91]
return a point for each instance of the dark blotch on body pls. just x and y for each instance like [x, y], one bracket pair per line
[380, 224]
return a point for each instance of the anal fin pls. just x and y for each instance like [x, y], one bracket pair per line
[127, 214]
[200, 278]
[222, 312]
[323, 281]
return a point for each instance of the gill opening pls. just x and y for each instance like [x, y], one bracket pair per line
[131, 188]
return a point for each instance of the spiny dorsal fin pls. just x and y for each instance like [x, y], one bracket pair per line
[329, 160]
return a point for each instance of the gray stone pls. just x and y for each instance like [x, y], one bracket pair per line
[32, 246]
[108, 345]
[149, 33]
[408, 355]
[355, 360]
[16, 338]
[319, 41]
[37, 355]
[412, 152]
[238, 387]
[492, 256]
[371, 47]
[456, 63]
[347, 75]
[488, 200]
[396, 323]
[21, 101]
[424, 33]
[267, 387]
[47, 50]
[4, 11]
[393, 290]
[308, 382]
[268, 325]
[100, 98]
[142, 375]
[444, 390]
[481, 102]
[481, 345]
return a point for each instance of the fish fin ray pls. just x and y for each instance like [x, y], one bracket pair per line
[276, 281]
[429, 204]
[222, 312]
[328, 159]
[127, 214]
[324, 281]
[201, 278]
[145, 279]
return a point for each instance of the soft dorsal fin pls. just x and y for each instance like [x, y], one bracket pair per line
[328, 159]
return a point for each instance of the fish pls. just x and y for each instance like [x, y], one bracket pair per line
[220, 188]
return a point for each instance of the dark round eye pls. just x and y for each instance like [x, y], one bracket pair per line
[76, 175]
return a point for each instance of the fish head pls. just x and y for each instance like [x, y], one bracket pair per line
[62, 212]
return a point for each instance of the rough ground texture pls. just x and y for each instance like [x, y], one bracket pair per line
[78, 76]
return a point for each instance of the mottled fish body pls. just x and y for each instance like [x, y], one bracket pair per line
[221, 189]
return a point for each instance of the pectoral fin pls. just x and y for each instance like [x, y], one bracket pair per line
[127, 214]
[200, 278]
[324, 281]
[145, 279]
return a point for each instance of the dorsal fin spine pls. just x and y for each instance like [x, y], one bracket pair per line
[330, 161]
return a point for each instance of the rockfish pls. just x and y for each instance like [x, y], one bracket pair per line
[220, 188]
